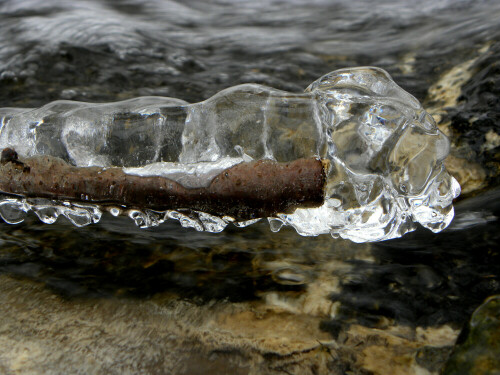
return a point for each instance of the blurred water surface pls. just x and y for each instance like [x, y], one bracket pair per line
[109, 50]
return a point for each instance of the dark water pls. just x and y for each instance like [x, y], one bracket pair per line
[112, 50]
[109, 50]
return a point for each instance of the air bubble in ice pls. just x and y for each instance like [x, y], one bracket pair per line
[47, 214]
[211, 223]
[78, 217]
[140, 218]
[13, 211]
[275, 224]
[246, 223]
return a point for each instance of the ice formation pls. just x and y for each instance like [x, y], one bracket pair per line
[385, 152]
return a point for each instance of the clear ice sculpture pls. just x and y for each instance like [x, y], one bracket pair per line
[385, 152]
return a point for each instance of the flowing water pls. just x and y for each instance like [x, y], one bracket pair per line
[103, 51]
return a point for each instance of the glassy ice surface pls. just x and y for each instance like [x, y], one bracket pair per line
[386, 154]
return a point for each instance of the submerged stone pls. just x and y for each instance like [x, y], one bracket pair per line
[478, 347]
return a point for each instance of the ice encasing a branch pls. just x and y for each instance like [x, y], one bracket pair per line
[382, 155]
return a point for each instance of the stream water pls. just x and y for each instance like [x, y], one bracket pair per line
[102, 51]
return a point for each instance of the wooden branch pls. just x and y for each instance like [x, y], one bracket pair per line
[245, 191]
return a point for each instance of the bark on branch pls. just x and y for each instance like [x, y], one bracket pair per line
[248, 190]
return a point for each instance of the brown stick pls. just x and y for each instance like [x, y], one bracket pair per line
[245, 191]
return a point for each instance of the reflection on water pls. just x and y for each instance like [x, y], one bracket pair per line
[117, 257]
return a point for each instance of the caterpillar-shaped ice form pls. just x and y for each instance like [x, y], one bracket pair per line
[384, 152]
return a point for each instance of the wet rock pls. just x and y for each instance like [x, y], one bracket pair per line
[465, 102]
[478, 346]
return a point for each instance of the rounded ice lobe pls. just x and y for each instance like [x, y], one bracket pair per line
[386, 158]
[384, 152]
